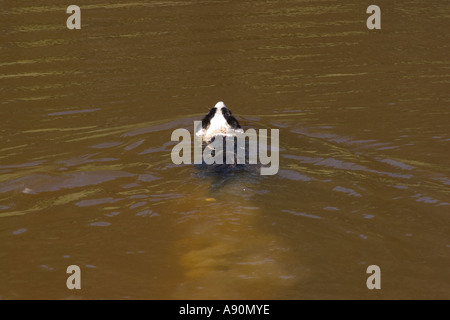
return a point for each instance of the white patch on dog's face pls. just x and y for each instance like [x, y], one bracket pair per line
[218, 124]
[219, 105]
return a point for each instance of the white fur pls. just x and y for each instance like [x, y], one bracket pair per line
[219, 105]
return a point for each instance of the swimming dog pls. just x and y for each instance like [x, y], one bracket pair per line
[220, 123]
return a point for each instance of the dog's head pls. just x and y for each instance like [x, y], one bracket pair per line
[218, 121]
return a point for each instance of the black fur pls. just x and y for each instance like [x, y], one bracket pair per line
[234, 124]
[207, 119]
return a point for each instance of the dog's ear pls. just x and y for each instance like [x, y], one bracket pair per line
[207, 119]
[230, 119]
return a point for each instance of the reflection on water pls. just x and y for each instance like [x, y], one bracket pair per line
[86, 176]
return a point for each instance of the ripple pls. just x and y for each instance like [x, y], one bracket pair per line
[147, 178]
[22, 165]
[177, 123]
[112, 214]
[348, 191]
[64, 113]
[302, 214]
[138, 204]
[100, 224]
[19, 231]
[147, 213]
[397, 164]
[37, 183]
[293, 175]
[106, 145]
[95, 202]
[134, 145]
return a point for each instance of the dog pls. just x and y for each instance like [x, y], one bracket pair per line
[218, 122]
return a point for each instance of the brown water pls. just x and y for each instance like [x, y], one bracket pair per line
[86, 176]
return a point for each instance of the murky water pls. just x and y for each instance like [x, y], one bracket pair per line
[86, 176]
